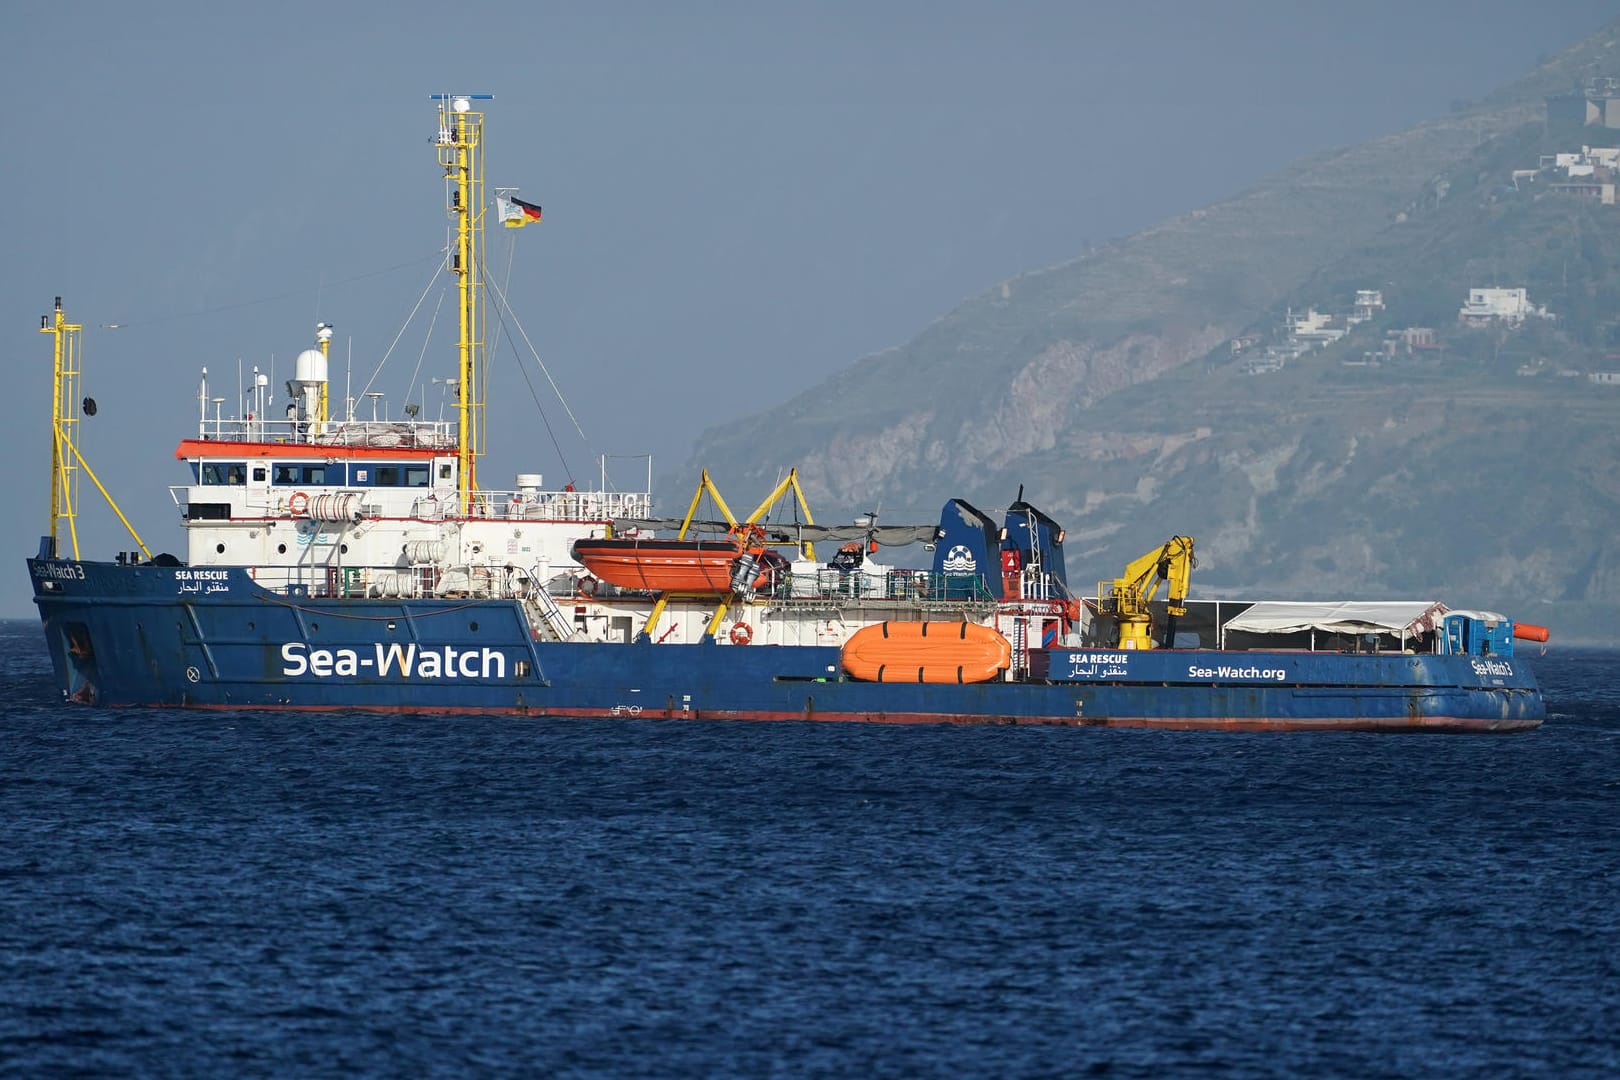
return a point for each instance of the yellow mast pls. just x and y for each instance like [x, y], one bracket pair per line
[66, 460]
[461, 154]
[323, 341]
[64, 415]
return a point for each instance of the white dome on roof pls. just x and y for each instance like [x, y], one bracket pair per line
[310, 367]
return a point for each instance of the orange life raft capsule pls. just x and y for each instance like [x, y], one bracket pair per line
[927, 652]
[1530, 631]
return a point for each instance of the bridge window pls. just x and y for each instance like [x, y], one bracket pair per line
[397, 474]
[298, 473]
[224, 472]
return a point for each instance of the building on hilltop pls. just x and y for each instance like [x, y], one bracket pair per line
[1587, 174]
[1413, 339]
[1419, 337]
[1368, 303]
[1598, 189]
[1244, 342]
[1597, 103]
[1583, 162]
[1315, 328]
[1511, 306]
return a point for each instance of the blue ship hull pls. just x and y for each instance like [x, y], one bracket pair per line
[213, 639]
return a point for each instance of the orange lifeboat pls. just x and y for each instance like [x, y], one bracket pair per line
[927, 652]
[667, 565]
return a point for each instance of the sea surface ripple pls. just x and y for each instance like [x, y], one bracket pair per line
[333, 894]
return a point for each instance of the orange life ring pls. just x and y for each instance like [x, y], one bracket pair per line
[298, 503]
[741, 633]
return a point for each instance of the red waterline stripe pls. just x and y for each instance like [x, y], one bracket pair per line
[1243, 723]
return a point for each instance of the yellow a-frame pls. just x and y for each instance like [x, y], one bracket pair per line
[744, 527]
[66, 460]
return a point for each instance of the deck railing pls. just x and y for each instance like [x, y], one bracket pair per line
[394, 502]
[402, 434]
[812, 590]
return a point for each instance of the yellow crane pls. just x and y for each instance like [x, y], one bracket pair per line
[1127, 597]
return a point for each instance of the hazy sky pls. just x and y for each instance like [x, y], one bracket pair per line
[740, 199]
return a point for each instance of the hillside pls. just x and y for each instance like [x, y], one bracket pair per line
[1108, 386]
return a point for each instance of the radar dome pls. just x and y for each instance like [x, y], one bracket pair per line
[310, 367]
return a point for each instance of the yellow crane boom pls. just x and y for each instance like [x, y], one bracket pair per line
[1127, 597]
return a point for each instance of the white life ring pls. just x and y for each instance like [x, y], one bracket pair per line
[298, 503]
[741, 633]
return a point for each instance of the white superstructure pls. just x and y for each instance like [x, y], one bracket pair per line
[371, 507]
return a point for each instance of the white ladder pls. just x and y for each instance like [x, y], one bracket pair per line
[551, 616]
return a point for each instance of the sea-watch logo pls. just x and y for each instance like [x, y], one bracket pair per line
[959, 560]
[392, 658]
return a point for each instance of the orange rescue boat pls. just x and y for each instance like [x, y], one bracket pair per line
[667, 565]
[928, 652]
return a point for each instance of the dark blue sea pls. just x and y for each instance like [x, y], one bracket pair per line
[325, 895]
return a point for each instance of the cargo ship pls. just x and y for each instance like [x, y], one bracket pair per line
[337, 562]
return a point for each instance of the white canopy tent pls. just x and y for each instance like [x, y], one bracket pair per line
[1341, 617]
[1402, 618]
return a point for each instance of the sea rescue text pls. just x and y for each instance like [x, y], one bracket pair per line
[1124, 665]
[408, 661]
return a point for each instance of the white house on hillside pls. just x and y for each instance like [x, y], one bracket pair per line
[1315, 328]
[1511, 306]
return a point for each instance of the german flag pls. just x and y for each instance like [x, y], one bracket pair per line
[515, 213]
